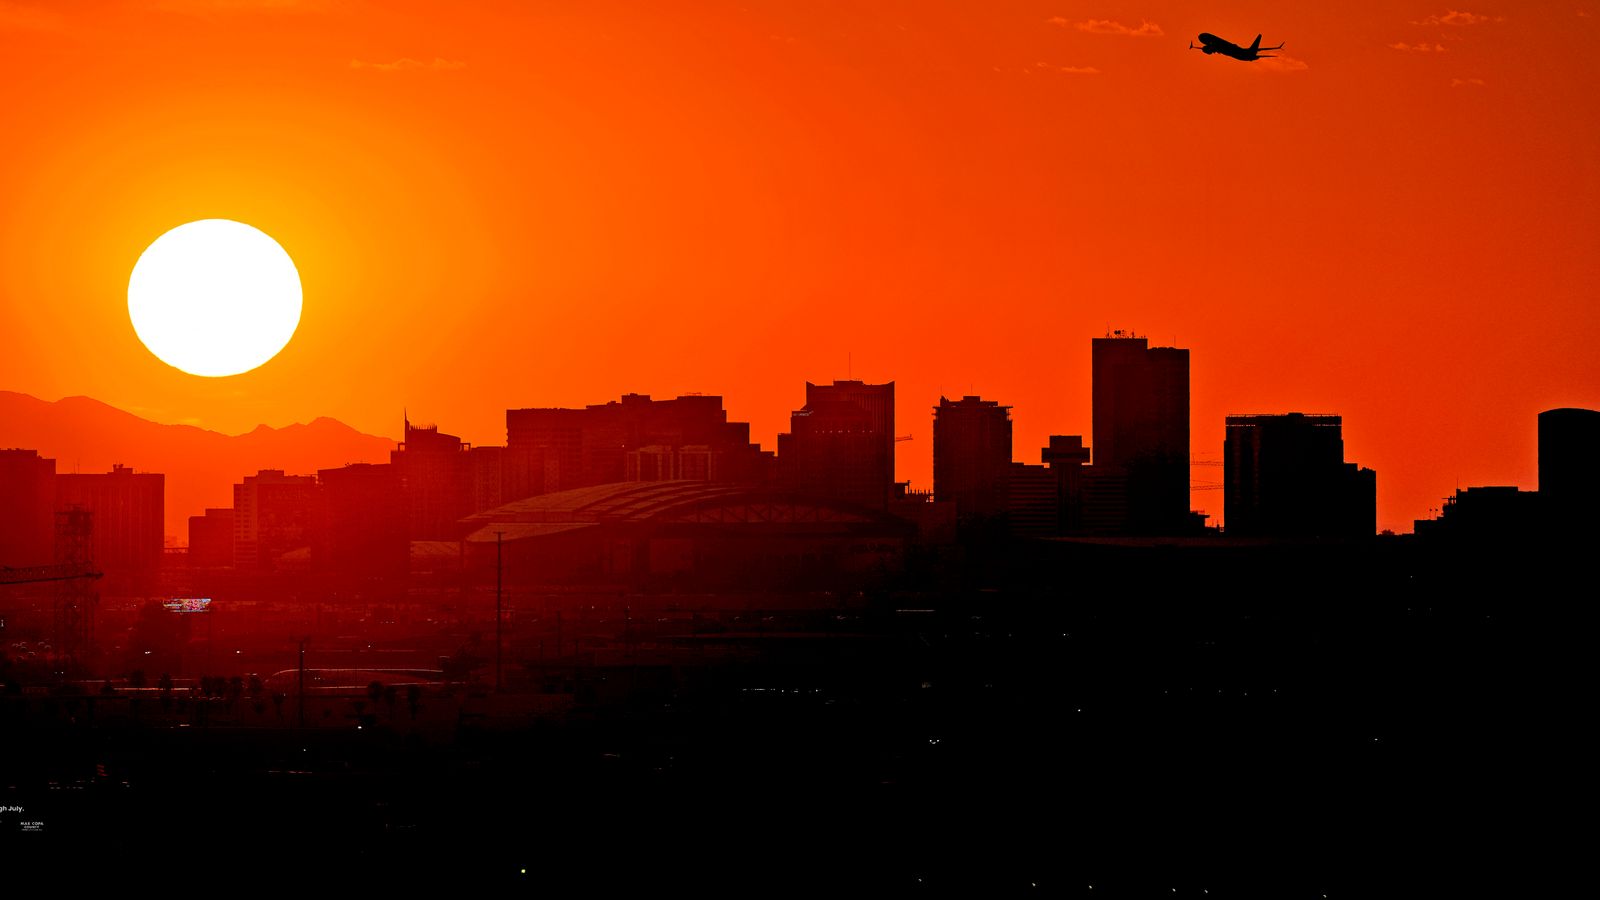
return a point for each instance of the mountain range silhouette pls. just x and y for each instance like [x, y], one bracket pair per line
[85, 435]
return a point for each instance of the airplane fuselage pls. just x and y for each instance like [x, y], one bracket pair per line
[1210, 43]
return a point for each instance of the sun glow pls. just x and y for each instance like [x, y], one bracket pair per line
[214, 297]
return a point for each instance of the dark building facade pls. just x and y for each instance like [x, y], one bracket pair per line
[211, 539]
[833, 451]
[840, 445]
[1033, 501]
[435, 474]
[686, 533]
[365, 524]
[1141, 433]
[1067, 457]
[1285, 476]
[1562, 513]
[27, 507]
[273, 515]
[1569, 468]
[631, 439]
[128, 507]
[876, 400]
[972, 457]
[1498, 516]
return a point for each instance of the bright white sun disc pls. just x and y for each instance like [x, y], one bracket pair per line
[214, 297]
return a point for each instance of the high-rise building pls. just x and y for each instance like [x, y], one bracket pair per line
[211, 539]
[1141, 432]
[1033, 501]
[840, 445]
[972, 456]
[435, 476]
[631, 439]
[877, 400]
[27, 521]
[274, 514]
[1067, 456]
[128, 507]
[487, 468]
[365, 520]
[1569, 468]
[1285, 476]
[1499, 516]
[833, 451]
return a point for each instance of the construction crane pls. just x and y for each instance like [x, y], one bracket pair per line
[1204, 485]
[76, 598]
[35, 574]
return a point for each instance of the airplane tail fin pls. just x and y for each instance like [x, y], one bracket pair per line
[1257, 44]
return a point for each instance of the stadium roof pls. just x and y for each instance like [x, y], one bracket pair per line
[659, 501]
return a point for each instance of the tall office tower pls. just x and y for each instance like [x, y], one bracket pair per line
[1285, 476]
[27, 512]
[833, 451]
[840, 445]
[1569, 468]
[972, 456]
[274, 514]
[1141, 432]
[211, 539]
[1033, 501]
[877, 400]
[435, 475]
[1067, 458]
[365, 520]
[631, 439]
[128, 509]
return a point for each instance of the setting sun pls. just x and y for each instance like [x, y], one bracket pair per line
[214, 297]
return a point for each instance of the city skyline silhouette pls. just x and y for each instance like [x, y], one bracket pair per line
[773, 447]
[859, 186]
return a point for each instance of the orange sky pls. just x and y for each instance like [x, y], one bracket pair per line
[517, 204]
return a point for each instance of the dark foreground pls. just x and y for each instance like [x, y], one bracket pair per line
[1076, 721]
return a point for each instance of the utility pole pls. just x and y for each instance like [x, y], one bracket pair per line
[499, 543]
[302, 704]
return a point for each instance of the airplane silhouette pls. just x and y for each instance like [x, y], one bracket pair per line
[1210, 43]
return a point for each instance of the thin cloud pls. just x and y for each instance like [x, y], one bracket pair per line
[1067, 70]
[1107, 26]
[1458, 18]
[1466, 82]
[1418, 48]
[407, 64]
[1280, 64]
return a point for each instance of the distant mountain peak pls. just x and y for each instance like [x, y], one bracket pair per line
[87, 435]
